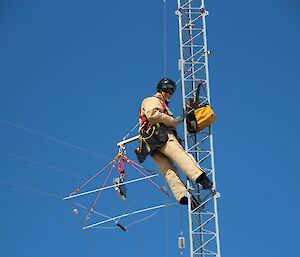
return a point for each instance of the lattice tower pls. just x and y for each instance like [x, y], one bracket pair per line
[193, 66]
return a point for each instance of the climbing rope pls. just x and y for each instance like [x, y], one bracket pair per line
[120, 160]
[91, 179]
[100, 192]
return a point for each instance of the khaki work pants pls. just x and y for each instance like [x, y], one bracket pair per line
[173, 153]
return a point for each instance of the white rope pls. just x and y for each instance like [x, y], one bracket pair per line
[129, 214]
[130, 224]
[130, 132]
[41, 164]
[98, 213]
[77, 204]
[131, 204]
[29, 189]
[48, 194]
[53, 139]
[138, 221]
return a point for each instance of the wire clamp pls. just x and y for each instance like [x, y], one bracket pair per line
[178, 12]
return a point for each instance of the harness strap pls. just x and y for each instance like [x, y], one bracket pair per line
[144, 118]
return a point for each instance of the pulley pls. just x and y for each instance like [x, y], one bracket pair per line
[119, 187]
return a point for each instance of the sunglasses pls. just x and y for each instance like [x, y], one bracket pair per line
[168, 91]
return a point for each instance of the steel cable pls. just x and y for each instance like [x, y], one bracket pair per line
[53, 139]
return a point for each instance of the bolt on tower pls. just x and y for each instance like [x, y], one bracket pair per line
[193, 66]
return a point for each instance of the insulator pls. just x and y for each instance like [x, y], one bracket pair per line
[75, 211]
[181, 242]
[121, 226]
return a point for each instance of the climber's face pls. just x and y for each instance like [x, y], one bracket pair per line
[167, 94]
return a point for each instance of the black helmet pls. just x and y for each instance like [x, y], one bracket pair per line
[166, 83]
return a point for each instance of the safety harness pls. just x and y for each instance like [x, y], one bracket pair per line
[152, 136]
[145, 122]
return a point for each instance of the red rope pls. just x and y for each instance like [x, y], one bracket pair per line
[121, 166]
[100, 192]
[150, 180]
[92, 178]
[137, 164]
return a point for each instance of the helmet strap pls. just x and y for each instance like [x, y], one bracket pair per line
[167, 101]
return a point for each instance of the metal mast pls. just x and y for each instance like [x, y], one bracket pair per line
[193, 65]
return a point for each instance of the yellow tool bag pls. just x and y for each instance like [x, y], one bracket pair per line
[201, 117]
[205, 116]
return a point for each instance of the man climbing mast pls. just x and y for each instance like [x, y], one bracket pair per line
[154, 110]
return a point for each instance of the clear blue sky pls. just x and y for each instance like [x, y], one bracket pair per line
[78, 70]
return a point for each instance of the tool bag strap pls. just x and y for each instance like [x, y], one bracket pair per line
[202, 116]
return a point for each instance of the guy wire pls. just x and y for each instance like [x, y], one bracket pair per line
[165, 39]
[53, 138]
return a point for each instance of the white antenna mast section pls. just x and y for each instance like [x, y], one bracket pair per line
[127, 141]
[193, 66]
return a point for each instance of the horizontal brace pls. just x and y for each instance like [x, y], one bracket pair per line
[108, 187]
[127, 141]
[189, 29]
[196, 79]
[129, 214]
[191, 8]
[195, 12]
[213, 254]
[193, 63]
[198, 150]
[203, 233]
[195, 46]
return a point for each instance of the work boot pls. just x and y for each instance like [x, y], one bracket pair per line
[194, 201]
[183, 200]
[204, 181]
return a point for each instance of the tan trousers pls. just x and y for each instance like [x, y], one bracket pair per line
[173, 153]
